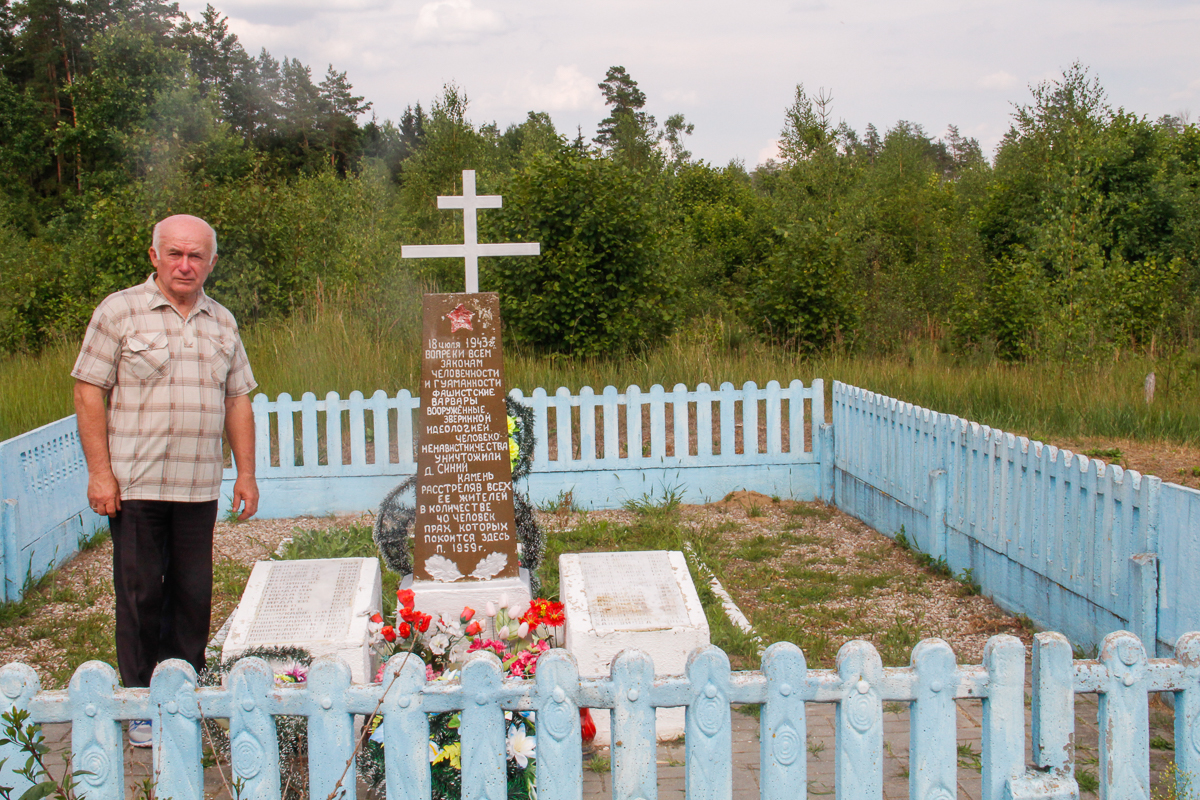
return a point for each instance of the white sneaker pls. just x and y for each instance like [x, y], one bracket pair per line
[140, 733]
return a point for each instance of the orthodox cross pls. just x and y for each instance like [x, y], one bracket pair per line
[470, 249]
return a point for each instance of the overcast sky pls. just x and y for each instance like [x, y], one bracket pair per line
[732, 69]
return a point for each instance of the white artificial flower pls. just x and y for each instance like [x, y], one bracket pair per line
[523, 630]
[459, 652]
[521, 747]
[434, 752]
[451, 625]
[439, 643]
[490, 609]
[517, 609]
[503, 599]
[502, 634]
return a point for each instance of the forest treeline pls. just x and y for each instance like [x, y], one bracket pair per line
[1079, 237]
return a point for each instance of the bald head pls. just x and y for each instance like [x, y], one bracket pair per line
[185, 222]
[183, 254]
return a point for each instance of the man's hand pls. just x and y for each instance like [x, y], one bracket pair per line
[104, 494]
[245, 496]
[239, 428]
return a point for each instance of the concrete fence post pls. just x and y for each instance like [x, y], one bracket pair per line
[1143, 617]
[826, 459]
[936, 511]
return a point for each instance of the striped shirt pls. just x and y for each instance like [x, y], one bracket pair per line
[169, 378]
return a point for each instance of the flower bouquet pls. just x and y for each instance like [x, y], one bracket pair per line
[517, 634]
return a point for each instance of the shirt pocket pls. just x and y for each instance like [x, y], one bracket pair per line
[218, 356]
[147, 357]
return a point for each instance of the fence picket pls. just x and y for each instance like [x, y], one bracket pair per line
[287, 444]
[482, 730]
[1187, 714]
[310, 440]
[253, 741]
[358, 434]
[704, 437]
[560, 742]
[658, 423]
[680, 429]
[176, 720]
[331, 769]
[562, 425]
[333, 429]
[858, 734]
[634, 764]
[1124, 719]
[380, 428]
[97, 742]
[633, 425]
[709, 735]
[728, 398]
[19, 684]
[406, 728]
[1003, 735]
[612, 440]
[783, 732]
[405, 446]
[1053, 705]
[587, 424]
[932, 756]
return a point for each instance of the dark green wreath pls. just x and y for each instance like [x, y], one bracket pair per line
[393, 528]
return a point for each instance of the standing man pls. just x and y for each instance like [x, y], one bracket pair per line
[169, 365]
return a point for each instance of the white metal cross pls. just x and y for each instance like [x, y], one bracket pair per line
[471, 249]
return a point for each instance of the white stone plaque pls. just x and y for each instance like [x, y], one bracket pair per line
[321, 605]
[632, 591]
[642, 600]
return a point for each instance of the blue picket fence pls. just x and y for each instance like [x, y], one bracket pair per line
[339, 455]
[859, 687]
[44, 513]
[1077, 545]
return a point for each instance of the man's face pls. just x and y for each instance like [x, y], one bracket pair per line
[183, 259]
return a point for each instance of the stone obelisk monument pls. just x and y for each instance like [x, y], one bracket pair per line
[465, 547]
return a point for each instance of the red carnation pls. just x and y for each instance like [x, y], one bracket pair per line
[405, 630]
[408, 615]
[388, 633]
[377, 618]
[406, 597]
[423, 622]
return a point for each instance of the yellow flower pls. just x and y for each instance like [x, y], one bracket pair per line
[514, 452]
[512, 425]
[453, 752]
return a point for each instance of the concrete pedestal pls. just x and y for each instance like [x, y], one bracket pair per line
[322, 605]
[439, 597]
[641, 600]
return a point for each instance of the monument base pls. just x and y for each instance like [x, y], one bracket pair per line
[644, 601]
[321, 605]
[440, 597]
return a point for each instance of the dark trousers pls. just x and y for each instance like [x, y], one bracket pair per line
[162, 579]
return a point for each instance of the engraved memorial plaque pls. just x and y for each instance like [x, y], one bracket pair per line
[464, 527]
[632, 591]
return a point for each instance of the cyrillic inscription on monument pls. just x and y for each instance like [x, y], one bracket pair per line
[464, 526]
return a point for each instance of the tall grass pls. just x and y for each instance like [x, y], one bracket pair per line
[366, 342]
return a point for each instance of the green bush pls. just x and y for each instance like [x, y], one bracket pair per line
[599, 285]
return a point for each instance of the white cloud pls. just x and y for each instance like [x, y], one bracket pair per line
[569, 89]
[455, 21]
[769, 151]
[998, 80]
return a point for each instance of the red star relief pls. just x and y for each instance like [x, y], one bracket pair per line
[460, 318]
